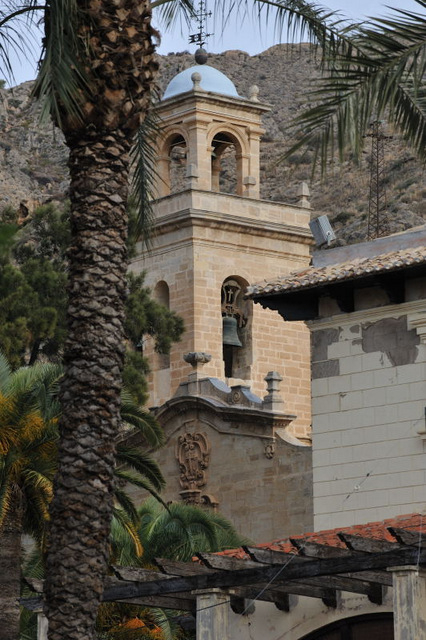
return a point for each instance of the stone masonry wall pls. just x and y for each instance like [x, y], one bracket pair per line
[264, 496]
[195, 257]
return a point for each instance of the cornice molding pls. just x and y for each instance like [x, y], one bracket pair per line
[229, 222]
[415, 308]
[417, 320]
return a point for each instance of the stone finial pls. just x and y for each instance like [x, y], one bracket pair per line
[196, 79]
[253, 93]
[273, 400]
[304, 195]
[201, 56]
[196, 359]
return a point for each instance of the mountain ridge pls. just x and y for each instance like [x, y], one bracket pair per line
[33, 158]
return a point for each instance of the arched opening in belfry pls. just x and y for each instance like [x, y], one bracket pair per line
[237, 315]
[177, 163]
[226, 171]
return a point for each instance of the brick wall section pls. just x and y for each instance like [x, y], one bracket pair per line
[368, 402]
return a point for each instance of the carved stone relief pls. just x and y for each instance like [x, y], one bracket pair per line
[193, 455]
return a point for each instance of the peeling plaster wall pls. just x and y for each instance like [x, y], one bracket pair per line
[368, 403]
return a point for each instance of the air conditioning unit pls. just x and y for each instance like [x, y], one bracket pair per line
[322, 231]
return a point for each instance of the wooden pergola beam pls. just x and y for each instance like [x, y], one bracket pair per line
[366, 545]
[412, 538]
[265, 573]
[270, 575]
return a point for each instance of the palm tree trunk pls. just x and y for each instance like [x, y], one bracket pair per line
[10, 570]
[81, 509]
[117, 56]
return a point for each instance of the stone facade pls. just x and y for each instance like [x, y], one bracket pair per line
[204, 237]
[207, 239]
[227, 449]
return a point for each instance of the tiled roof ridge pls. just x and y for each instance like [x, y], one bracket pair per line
[355, 268]
[376, 530]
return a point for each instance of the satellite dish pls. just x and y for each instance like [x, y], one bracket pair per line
[322, 231]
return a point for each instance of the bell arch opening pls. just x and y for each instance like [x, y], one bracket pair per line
[237, 315]
[226, 164]
[171, 164]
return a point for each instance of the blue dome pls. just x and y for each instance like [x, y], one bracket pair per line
[211, 80]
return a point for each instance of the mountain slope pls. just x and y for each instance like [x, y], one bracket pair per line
[33, 159]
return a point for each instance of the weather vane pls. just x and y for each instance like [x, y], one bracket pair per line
[201, 17]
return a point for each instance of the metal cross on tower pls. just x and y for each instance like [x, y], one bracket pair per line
[378, 222]
[201, 17]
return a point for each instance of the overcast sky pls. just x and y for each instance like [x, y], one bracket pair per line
[247, 35]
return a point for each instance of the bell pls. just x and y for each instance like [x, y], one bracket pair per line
[230, 333]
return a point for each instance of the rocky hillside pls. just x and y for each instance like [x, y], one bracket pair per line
[33, 158]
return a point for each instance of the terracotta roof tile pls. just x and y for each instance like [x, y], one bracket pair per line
[376, 530]
[360, 267]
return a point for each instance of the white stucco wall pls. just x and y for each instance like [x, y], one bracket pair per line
[369, 460]
[306, 615]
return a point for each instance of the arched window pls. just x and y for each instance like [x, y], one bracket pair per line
[375, 626]
[225, 164]
[236, 332]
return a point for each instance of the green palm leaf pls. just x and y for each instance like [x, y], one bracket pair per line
[61, 84]
[145, 466]
[5, 371]
[144, 175]
[141, 420]
[373, 71]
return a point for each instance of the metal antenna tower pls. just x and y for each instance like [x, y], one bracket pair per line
[378, 222]
[201, 17]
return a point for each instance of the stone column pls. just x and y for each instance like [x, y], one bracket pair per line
[409, 602]
[41, 626]
[212, 614]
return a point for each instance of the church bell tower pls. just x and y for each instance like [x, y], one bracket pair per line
[213, 235]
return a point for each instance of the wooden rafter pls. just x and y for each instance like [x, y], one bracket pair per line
[273, 576]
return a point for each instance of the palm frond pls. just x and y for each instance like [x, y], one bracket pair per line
[61, 83]
[144, 174]
[164, 620]
[377, 70]
[140, 482]
[141, 420]
[168, 13]
[126, 503]
[126, 546]
[128, 526]
[139, 461]
[15, 36]
[181, 530]
[6, 498]
[5, 371]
